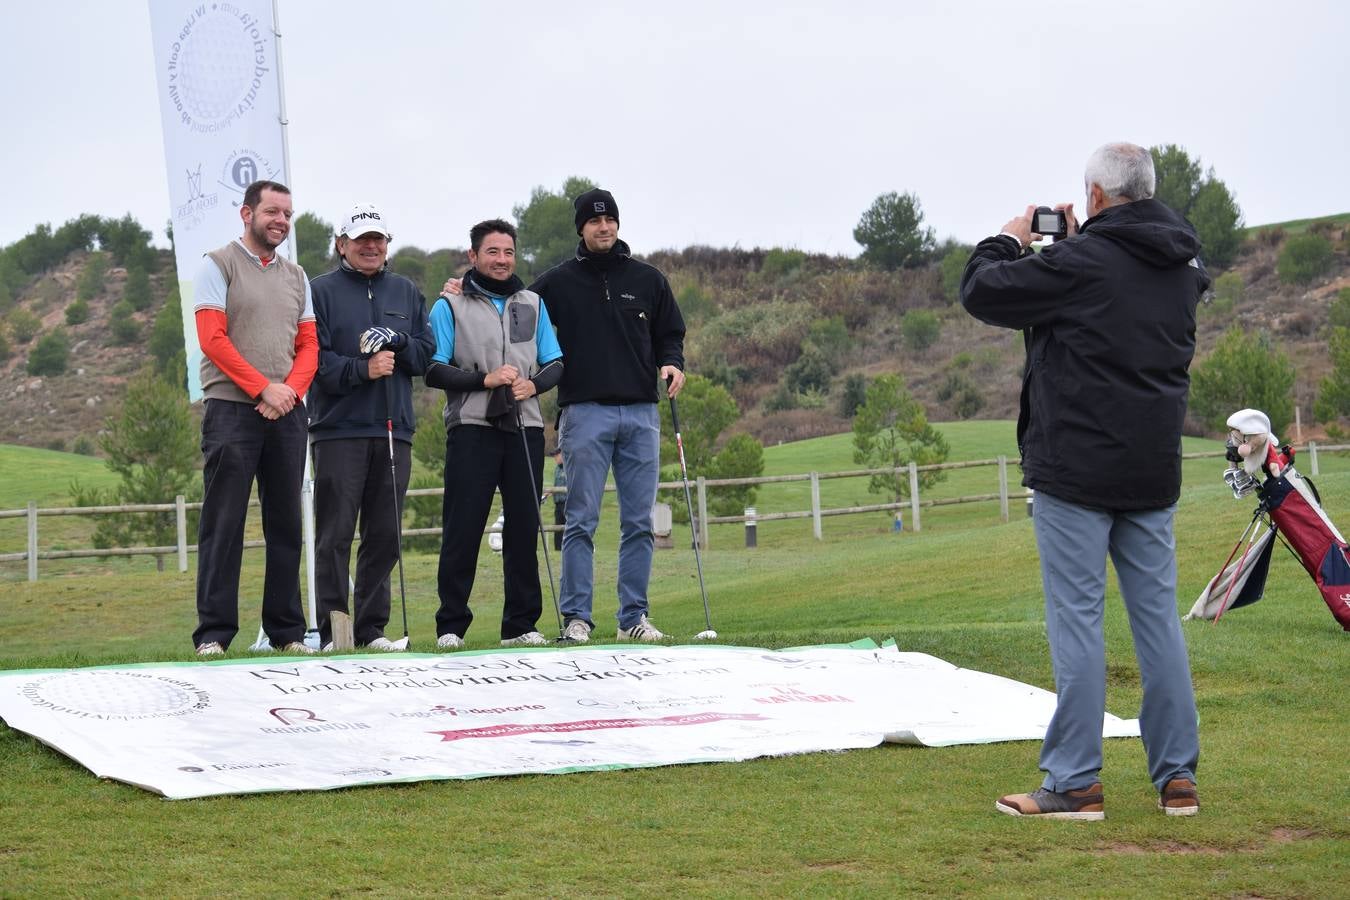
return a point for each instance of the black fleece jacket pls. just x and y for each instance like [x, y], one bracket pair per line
[617, 322]
[1109, 316]
[343, 402]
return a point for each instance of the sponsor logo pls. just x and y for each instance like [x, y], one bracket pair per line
[792, 695]
[522, 730]
[219, 67]
[306, 721]
[116, 695]
[366, 773]
[192, 212]
[366, 215]
[243, 167]
[599, 206]
[233, 766]
[627, 297]
[442, 710]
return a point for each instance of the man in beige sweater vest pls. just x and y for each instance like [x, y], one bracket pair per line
[255, 323]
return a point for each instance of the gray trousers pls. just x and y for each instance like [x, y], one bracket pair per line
[1074, 542]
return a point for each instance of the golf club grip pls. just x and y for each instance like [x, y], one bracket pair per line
[674, 413]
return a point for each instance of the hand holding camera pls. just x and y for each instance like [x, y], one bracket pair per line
[1039, 222]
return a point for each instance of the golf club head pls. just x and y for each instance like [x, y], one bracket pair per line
[401, 643]
[708, 635]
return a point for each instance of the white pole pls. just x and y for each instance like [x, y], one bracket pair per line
[914, 495]
[815, 506]
[306, 486]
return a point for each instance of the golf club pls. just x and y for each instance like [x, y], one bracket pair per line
[402, 644]
[709, 634]
[538, 516]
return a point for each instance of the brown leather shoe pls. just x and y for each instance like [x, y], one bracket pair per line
[1086, 804]
[1179, 798]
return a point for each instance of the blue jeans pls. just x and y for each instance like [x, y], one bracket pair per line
[595, 437]
[1074, 542]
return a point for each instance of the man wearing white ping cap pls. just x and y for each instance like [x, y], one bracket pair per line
[373, 340]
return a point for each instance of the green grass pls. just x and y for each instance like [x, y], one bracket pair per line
[1297, 226]
[865, 823]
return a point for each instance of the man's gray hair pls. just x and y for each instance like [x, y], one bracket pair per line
[1122, 170]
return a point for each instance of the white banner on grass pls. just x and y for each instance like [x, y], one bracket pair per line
[234, 727]
[220, 102]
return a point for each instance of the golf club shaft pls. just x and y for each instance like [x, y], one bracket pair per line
[689, 505]
[393, 484]
[539, 516]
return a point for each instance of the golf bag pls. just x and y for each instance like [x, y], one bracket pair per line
[1288, 508]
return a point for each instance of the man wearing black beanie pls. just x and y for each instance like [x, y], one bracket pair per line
[623, 334]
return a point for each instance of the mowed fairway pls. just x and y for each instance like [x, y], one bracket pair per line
[893, 820]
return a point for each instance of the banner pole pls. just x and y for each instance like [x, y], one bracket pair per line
[307, 486]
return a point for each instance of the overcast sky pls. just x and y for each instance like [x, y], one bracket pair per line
[722, 123]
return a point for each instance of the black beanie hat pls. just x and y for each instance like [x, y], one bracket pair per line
[595, 202]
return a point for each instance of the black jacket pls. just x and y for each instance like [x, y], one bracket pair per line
[617, 324]
[1109, 316]
[343, 402]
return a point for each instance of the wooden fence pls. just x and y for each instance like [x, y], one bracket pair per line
[816, 513]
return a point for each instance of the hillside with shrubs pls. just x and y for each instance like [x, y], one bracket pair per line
[794, 337]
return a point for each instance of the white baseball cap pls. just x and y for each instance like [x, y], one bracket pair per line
[364, 218]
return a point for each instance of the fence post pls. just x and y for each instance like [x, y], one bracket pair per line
[180, 516]
[32, 540]
[815, 506]
[1312, 458]
[1003, 487]
[914, 495]
[702, 512]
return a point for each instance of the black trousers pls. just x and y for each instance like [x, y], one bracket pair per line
[559, 518]
[352, 482]
[239, 445]
[478, 460]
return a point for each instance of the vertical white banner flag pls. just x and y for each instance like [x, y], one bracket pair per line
[220, 100]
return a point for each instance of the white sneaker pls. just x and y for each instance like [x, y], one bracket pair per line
[528, 639]
[298, 648]
[577, 631]
[450, 642]
[383, 643]
[642, 630]
[210, 648]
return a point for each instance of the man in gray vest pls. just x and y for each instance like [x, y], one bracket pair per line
[255, 324]
[495, 351]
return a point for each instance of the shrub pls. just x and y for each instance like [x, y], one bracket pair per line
[77, 312]
[921, 329]
[1245, 370]
[694, 304]
[83, 446]
[780, 263]
[137, 290]
[1339, 314]
[809, 372]
[1228, 290]
[853, 395]
[51, 354]
[953, 267]
[125, 328]
[91, 279]
[961, 393]
[1304, 257]
[23, 325]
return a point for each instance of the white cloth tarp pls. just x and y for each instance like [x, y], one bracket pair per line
[242, 726]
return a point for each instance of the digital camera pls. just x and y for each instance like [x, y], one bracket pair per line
[1051, 223]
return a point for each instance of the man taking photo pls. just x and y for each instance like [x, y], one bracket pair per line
[1108, 314]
